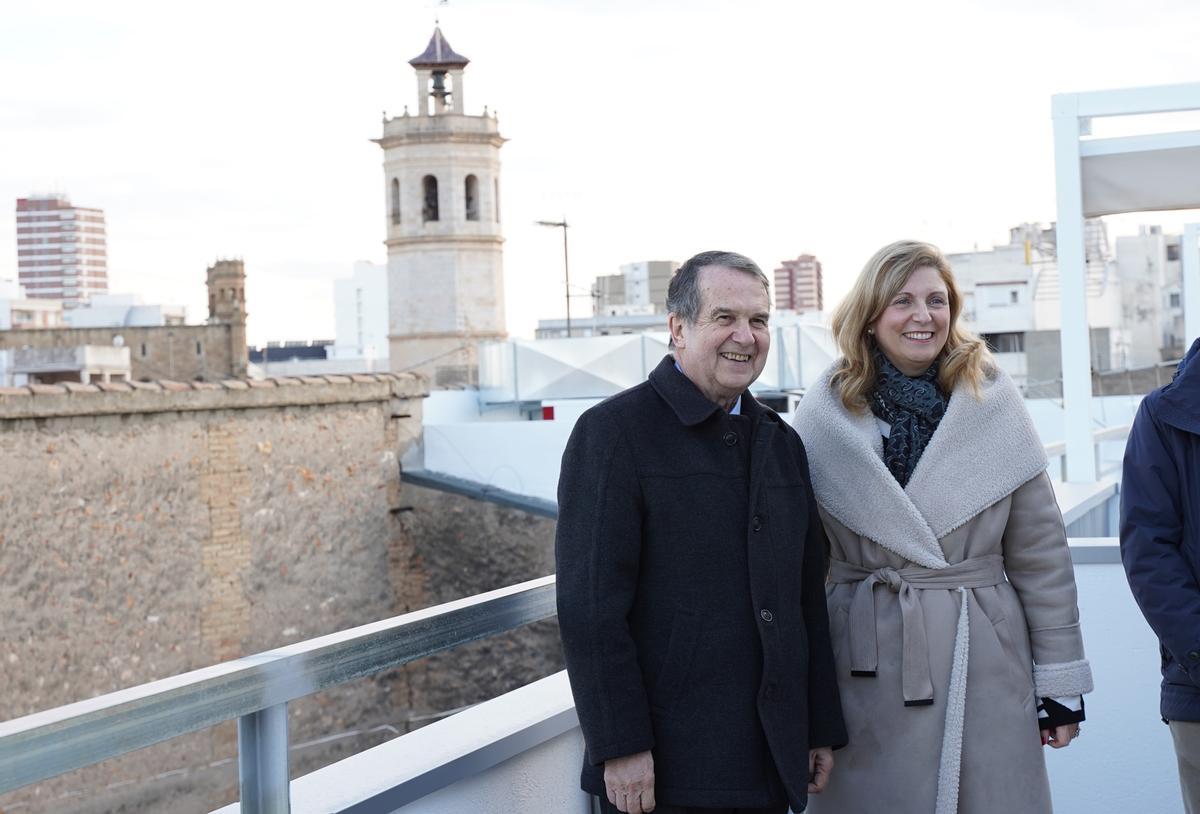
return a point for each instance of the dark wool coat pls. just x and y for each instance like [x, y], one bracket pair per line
[1160, 530]
[691, 601]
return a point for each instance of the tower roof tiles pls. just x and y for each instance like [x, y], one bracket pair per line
[439, 54]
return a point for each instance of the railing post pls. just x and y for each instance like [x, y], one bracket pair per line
[263, 761]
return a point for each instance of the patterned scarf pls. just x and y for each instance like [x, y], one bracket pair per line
[913, 407]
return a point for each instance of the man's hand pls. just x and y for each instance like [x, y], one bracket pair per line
[629, 782]
[820, 766]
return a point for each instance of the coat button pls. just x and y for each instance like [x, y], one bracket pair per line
[766, 615]
[756, 524]
[1194, 655]
[730, 439]
[769, 692]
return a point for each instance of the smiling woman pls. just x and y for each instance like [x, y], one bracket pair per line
[911, 331]
[905, 291]
[931, 481]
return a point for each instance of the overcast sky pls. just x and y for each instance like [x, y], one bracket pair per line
[659, 128]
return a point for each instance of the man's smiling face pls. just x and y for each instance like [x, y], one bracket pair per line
[726, 349]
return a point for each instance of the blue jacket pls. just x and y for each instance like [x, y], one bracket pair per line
[1160, 530]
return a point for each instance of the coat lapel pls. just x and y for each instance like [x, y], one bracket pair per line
[853, 484]
[982, 451]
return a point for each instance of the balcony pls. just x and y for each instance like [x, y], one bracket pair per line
[521, 750]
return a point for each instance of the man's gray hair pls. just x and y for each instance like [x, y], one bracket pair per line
[683, 295]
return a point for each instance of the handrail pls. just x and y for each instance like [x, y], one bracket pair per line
[255, 689]
[1112, 433]
[1059, 448]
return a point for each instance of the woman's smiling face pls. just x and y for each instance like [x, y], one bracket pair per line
[912, 329]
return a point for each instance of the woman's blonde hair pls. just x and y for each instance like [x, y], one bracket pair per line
[965, 357]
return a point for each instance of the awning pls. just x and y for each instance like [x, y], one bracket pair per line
[1140, 173]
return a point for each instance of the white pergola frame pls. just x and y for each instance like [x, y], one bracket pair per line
[1108, 176]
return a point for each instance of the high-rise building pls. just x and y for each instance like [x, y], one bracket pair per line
[61, 249]
[798, 284]
[442, 203]
[640, 288]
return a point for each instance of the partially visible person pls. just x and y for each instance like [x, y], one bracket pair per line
[691, 569]
[952, 596]
[1160, 547]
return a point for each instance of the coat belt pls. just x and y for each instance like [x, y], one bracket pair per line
[977, 572]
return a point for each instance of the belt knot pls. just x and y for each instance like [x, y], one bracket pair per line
[889, 577]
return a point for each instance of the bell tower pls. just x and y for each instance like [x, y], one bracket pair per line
[226, 281]
[441, 172]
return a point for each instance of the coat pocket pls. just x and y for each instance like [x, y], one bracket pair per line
[1021, 672]
[681, 649]
[1173, 672]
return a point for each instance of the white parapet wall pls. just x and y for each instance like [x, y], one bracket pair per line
[518, 752]
[521, 752]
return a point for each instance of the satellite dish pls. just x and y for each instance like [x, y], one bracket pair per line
[118, 341]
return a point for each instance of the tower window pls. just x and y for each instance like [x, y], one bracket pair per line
[199, 350]
[472, 197]
[395, 200]
[496, 187]
[430, 210]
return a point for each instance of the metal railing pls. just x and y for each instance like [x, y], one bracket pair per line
[1059, 448]
[255, 690]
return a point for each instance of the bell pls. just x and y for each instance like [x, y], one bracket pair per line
[439, 85]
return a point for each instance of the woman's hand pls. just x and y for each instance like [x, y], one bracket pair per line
[1060, 736]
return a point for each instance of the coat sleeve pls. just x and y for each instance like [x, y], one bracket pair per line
[597, 553]
[826, 726]
[1037, 561]
[1151, 542]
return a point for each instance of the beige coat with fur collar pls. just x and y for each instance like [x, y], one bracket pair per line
[979, 489]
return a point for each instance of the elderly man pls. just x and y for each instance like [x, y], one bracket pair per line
[691, 568]
[1160, 546]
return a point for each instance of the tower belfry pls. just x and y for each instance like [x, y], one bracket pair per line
[445, 248]
[437, 64]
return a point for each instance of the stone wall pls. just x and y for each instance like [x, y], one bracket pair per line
[183, 352]
[155, 528]
[459, 547]
[150, 530]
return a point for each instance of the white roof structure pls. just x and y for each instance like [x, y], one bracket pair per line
[1108, 176]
